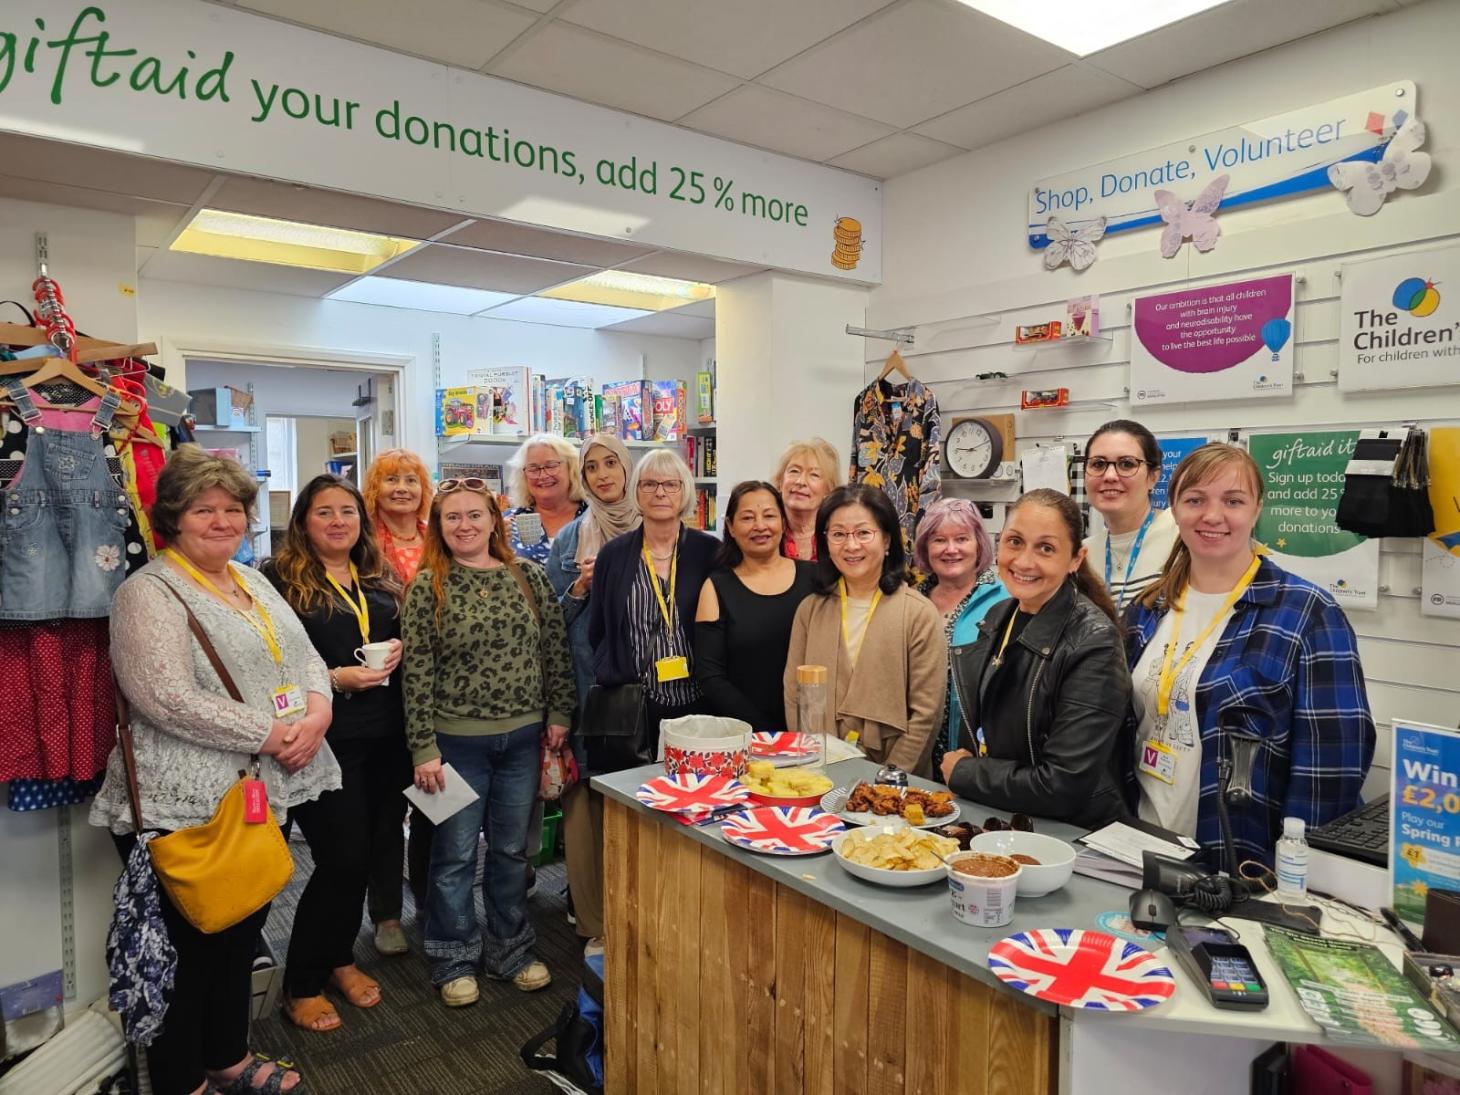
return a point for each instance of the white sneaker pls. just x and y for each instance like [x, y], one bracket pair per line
[531, 977]
[460, 991]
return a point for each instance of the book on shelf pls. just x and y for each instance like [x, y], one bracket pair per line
[705, 398]
[510, 405]
[464, 411]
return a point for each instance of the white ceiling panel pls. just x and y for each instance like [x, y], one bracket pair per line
[758, 116]
[704, 309]
[1063, 93]
[915, 60]
[459, 32]
[670, 264]
[1224, 34]
[896, 155]
[291, 202]
[563, 313]
[481, 270]
[586, 65]
[669, 325]
[264, 277]
[520, 239]
[79, 197]
[745, 37]
[99, 169]
[418, 296]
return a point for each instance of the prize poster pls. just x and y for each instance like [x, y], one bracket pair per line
[1304, 474]
[1173, 451]
[1232, 341]
[1440, 574]
[1424, 839]
[1400, 322]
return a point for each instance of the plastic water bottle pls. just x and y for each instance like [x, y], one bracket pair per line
[1292, 859]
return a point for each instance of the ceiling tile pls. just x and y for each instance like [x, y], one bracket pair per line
[539, 6]
[668, 325]
[602, 70]
[263, 277]
[100, 169]
[418, 296]
[916, 60]
[49, 193]
[1063, 93]
[291, 202]
[896, 155]
[1233, 30]
[670, 264]
[459, 32]
[562, 313]
[758, 116]
[704, 309]
[520, 239]
[729, 37]
[480, 269]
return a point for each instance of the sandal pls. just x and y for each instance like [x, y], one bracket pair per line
[309, 1010]
[243, 1084]
[356, 987]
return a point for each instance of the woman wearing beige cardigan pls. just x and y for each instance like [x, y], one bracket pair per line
[881, 642]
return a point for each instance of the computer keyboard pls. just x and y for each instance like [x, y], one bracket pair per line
[1359, 834]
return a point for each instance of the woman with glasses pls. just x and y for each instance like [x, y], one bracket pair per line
[641, 619]
[488, 682]
[881, 641]
[544, 487]
[1133, 542]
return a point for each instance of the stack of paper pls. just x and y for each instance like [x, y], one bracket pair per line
[1116, 853]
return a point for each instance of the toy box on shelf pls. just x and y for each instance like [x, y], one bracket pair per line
[671, 410]
[635, 408]
[463, 412]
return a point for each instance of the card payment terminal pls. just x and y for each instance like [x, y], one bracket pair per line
[1221, 965]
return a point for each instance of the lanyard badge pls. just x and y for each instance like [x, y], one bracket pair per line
[1130, 563]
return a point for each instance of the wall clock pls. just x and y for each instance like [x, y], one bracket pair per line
[974, 447]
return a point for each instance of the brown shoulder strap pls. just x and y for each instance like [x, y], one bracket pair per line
[206, 643]
[526, 587]
[129, 755]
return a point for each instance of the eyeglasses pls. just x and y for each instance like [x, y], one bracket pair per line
[467, 482]
[863, 536]
[653, 486]
[1125, 467]
[549, 467]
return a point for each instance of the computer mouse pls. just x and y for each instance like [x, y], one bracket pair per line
[1151, 910]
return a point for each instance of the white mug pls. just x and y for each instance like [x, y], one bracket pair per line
[373, 655]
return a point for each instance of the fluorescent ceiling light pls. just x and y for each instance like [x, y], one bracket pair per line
[626, 289]
[564, 313]
[423, 296]
[227, 235]
[1088, 26]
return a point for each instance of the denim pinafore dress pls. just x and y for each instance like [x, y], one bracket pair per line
[64, 519]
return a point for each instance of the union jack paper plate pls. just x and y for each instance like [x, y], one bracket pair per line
[1081, 969]
[690, 792]
[782, 830]
[782, 743]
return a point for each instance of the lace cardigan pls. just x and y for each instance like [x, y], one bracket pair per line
[191, 737]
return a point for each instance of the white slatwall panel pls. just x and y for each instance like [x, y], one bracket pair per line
[1412, 662]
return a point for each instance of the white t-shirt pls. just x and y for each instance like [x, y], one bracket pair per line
[1155, 549]
[1174, 805]
[857, 618]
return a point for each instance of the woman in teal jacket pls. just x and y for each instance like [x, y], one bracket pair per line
[954, 548]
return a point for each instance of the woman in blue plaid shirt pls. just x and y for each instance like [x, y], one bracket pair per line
[1226, 643]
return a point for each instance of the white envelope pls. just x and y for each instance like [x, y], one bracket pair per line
[441, 805]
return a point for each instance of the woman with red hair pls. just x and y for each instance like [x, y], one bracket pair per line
[397, 501]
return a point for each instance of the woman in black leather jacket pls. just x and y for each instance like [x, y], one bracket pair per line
[1043, 691]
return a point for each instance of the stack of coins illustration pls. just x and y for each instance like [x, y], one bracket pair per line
[848, 252]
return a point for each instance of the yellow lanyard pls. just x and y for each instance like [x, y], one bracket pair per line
[361, 610]
[654, 581]
[1008, 631]
[258, 619]
[855, 651]
[1167, 681]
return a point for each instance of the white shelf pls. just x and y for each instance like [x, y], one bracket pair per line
[344, 456]
[202, 428]
[1064, 343]
[703, 482]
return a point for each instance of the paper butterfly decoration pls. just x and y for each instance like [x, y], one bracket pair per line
[1076, 248]
[1195, 221]
[1403, 167]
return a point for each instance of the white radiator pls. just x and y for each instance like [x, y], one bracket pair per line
[89, 1049]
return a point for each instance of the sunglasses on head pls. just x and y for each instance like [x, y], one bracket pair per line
[466, 482]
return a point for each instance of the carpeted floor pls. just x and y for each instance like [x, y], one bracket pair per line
[410, 1044]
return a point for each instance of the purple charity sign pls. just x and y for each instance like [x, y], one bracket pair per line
[1212, 328]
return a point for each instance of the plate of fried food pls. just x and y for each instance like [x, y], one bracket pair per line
[894, 854]
[785, 786]
[871, 803]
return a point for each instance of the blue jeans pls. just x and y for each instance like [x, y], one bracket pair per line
[504, 769]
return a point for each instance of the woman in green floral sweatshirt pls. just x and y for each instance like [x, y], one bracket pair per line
[487, 681]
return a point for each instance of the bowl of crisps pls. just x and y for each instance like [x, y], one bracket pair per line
[894, 854]
[785, 786]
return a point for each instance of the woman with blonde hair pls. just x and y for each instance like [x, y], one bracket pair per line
[545, 491]
[1228, 645]
[805, 474]
[397, 500]
[488, 682]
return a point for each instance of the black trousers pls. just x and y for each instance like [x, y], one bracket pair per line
[206, 1026]
[343, 829]
[418, 860]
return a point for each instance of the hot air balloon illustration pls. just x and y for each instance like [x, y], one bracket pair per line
[1275, 334]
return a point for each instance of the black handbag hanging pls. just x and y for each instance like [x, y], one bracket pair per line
[615, 728]
[1367, 480]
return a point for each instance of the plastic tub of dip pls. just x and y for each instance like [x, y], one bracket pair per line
[982, 886]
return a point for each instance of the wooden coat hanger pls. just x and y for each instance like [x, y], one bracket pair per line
[895, 363]
[59, 368]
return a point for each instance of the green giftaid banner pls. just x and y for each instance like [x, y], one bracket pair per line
[1304, 477]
